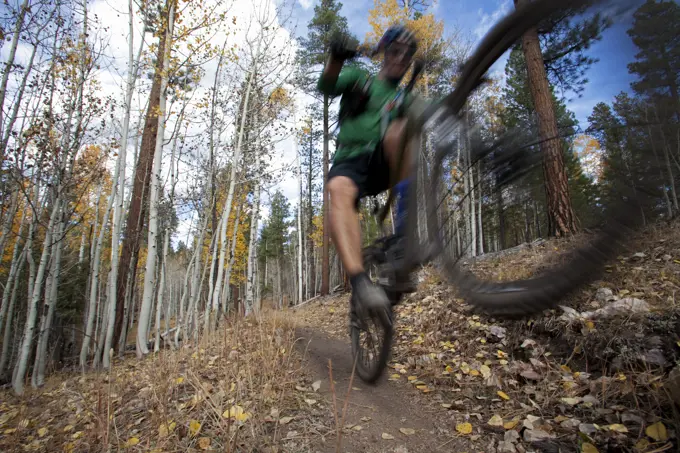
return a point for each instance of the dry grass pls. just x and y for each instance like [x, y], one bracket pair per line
[227, 394]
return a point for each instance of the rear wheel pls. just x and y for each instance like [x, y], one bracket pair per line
[513, 165]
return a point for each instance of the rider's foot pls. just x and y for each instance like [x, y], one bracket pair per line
[371, 297]
[404, 282]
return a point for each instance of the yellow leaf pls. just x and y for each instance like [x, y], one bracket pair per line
[237, 413]
[590, 325]
[387, 436]
[131, 442]
[465, 368]
[412, 378]
[511, 424]
[194, 427]
[69, 447]
[407, 431]
[565, 368]
[485, 370]
[464, 428]
[496, 420]
[68, 428]
[642, 445]
[166, 429]
[617, 428]
[179, 380]
[474, 373]
[587, 447]
[77, 435]
[204, 443]
[571, 401]
[42, 432]
[657, 431]
[503, 395]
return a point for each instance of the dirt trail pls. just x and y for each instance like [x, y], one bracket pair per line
[389, 405]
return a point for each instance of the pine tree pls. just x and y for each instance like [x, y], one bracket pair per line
[656, 33]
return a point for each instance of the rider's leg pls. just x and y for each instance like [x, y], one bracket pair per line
[345, 227]
[391, 148]
[346, 233]
[392, 143]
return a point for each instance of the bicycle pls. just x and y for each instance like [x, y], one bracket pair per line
[507, 299]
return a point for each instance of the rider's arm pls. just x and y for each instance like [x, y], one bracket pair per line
[327, 83]
[334, 81]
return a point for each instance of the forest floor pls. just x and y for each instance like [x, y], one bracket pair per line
[594, 376]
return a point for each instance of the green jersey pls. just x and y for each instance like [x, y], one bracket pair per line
[361, 133]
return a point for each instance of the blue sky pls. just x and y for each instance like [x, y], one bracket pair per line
[607, 78]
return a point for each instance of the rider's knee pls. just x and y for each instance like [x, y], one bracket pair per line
[342, 190]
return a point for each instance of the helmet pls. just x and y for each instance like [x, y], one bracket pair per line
[398, 33]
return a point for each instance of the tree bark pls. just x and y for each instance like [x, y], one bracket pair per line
[325, 264]
[152, 241]
[561, 216]
[140, 189]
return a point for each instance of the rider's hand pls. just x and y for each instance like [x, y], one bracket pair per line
[344, 47]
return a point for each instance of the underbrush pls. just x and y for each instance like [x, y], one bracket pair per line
[234, 392]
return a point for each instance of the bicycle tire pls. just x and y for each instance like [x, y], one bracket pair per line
[370, 374]
[584, 264]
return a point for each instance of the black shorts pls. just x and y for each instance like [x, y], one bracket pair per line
[369, 171]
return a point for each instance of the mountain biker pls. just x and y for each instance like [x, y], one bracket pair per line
[366, 159]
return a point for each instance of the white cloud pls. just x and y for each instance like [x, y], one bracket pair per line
[487, 20]
[306, 4]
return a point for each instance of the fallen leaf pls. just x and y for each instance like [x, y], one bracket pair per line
[407, 431]
[285, 420]
[316, 385]
[496, 420]
[166, 428]
[42, 432]
[503, 395]
[412, 378]
[131, 442]
[204, 443]
[10, 431]
[464, 428]
[310, 402]
[617, 428]
[446, 405]
[357, 428]
[571, 401]
[365, 419]
[511, 424]
[485, 370]
[68, 428]
[387, 436]
[237, 413]
[77, 435]
[657, 431]
[642, 445]
[179, 380]
[587, 447]
[194, 427]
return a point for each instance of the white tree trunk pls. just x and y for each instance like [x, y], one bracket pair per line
[119, 187]
[29, 328]
[211, 283]
[234, 236]
[4, 356]
[11, 278]
[152, 251]
[38, 377]
[161, 292]
[252, 253]
[480, 225]
[299, 224]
